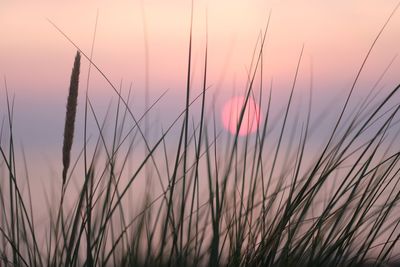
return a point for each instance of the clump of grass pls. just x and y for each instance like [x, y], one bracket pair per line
[70, 116]
[228, 202]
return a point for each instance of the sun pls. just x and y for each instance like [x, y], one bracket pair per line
[231, 113]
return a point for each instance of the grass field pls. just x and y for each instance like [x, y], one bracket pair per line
[213, 198]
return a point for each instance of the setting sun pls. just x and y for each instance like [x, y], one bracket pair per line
[231, 113]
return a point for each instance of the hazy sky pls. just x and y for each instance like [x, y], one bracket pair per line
[37, 60]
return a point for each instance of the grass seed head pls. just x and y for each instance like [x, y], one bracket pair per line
[70, 116]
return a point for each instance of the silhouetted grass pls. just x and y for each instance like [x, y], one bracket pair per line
[258, 200]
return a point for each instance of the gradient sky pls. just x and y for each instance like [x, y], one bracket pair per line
[37, 60]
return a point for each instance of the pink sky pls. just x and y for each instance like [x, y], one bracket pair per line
[37, 60]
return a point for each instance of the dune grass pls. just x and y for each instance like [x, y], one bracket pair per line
[225, 200]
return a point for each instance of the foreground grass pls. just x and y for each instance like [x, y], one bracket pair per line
[224, 200]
